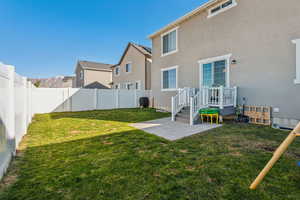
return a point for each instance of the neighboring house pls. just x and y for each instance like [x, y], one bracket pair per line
[243, 43]
[54, 82]
[134, 68]
[93, 75]
[68, 81]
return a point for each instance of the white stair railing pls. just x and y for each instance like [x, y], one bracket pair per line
[206, 97]
[181, 100]
[219, 96]
[212, 96]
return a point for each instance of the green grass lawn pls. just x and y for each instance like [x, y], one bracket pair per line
[97, 155]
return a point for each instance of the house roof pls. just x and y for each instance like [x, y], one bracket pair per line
[94, 66]
[147, 51]
[184, 18]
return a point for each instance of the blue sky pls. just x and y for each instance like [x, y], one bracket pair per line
[45, 38]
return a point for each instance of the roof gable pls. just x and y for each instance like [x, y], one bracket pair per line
[146, 51]
[87, 65]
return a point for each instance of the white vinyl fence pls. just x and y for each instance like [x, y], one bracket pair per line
[15, 112]
[20, 100]
[47, 100]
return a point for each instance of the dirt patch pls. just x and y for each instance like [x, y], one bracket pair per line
[190, 168]
[107, 143]
[269, 149]
[12, 174]
[75, 132]
[184, 151]
[235, 153]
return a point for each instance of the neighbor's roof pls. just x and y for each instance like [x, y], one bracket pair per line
[147, 51]
[183, 18]
[94, 66]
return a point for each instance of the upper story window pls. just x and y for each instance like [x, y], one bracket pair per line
[117, 71]
[169, 79]
[128, 67]
[169, 42]
[81, 75]
[221, 7]
[297, 42]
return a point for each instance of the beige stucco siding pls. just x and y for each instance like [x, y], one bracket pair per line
[102, 77]
[137, 60]
[258, 34]
[78, 80]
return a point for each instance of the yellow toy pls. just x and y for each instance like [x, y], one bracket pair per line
[278, 153]
[211, 117]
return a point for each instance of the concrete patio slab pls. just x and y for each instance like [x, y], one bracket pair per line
[172, 130]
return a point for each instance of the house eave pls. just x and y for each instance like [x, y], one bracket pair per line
[183, 18]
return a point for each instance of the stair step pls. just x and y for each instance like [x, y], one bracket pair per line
[183, 120]
[185, 112]
[185, 115]
[186, 108]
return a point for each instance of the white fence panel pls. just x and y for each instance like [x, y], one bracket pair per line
[127, 99]
[15, 113]
[5, 140]
[83, 99]
[20, 104]
[20, 100]
[46, 100]
[107, 99]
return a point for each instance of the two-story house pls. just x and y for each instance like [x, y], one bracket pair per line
[251, 44]
[134, 68]
[93, 75]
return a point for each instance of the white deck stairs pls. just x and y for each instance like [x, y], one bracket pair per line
[187, 103]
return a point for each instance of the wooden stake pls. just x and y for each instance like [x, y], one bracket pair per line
[278, 153]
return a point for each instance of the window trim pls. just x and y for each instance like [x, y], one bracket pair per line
[214, 59]
[139, 85]
[297, 42]
[162, 42]
[130, 67]
[162, 77]
[234, 3]
[119, 71]
[81, 74]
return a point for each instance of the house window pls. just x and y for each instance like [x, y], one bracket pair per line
[138, 85]
[169, 42]
[117, 71]
[128, 67]
[81, 75]
[221, 7]
[169, 79]
[130, 86]
[214, 72]
[297, 42]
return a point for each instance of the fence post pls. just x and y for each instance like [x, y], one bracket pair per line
[11, 109]
[191, 111]
[173, 109]
[222, 97]
[28, 103]
[117, 99]
[235, 96]
[95, 98]
[24, 117]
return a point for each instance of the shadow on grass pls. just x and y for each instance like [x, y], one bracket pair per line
[131, 164]
[91, 168]
[133, 115]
